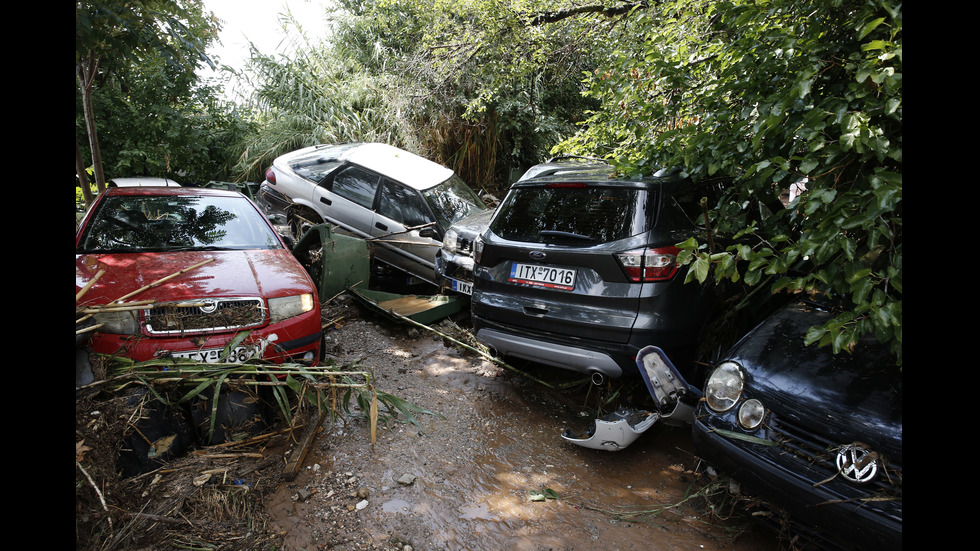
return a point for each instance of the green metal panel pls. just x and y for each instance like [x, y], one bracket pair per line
[424, 309]
[335, 261]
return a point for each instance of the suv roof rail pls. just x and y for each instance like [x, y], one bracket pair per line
[584, 157]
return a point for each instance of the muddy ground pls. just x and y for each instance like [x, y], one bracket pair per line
[486, 469]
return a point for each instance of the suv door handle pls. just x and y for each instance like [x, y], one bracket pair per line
[380, 226]
[326, 201]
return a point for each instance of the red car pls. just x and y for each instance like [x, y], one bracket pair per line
[197, 267]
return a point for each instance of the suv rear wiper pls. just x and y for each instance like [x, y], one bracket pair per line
[556, 233]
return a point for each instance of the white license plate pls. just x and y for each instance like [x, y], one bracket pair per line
[543, 276]
[462, 286]
[239, 354]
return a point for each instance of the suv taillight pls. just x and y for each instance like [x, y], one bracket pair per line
[644, 265]
[270, 176]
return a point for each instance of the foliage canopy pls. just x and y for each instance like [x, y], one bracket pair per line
[140, 103]
[771, 93]
[766, 93]
[476, 84]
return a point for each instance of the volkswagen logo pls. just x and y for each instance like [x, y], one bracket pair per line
[537, 255]
[209, 306]
[857, 463]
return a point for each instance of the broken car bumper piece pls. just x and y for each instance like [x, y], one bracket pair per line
[615, 431]
[621, 428]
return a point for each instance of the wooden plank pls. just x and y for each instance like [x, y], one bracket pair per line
[296, 458]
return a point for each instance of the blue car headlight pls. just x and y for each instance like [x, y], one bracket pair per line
[751, 413]
[724, 387]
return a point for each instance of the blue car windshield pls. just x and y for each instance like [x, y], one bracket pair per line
[176, 222]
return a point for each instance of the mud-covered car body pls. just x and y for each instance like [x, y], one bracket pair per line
[206, 267]
[399, 201]
[817, 436]
[578, 270]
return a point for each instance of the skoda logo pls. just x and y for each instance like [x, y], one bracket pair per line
[537, 255]
[209, 306]
[857, 463]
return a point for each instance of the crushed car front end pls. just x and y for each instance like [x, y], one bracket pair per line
[197, 274]
[455, 260]
[816, 436]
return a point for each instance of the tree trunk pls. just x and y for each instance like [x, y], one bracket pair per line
[86, 75]
[82, 176]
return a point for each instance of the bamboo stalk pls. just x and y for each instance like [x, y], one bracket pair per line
[89, 328]
[163, 280]
[254, 439]
[88, 286]
[128, 307]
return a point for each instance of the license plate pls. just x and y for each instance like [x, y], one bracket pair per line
[543, 276]
[237, 355]
[462, 286]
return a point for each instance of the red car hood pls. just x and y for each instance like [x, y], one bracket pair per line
[267, 273]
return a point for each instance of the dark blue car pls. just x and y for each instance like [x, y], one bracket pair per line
[817, 436]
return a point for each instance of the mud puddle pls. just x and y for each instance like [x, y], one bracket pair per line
[491, 471]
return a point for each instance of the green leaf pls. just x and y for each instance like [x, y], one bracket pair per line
[869, 27]
[745, 437]
[701, 267]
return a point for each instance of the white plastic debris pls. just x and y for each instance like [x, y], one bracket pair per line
[615, 431]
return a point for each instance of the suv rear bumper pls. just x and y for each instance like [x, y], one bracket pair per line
[565, 356]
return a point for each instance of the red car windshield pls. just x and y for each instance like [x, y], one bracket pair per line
[160, 223]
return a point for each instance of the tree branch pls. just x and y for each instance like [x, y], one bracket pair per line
[554, 16]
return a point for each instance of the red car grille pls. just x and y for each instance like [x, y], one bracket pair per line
[206, 315]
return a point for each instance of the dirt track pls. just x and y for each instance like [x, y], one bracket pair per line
[486, 470]
[476, 465]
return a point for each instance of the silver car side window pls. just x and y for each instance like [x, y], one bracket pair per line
[402, 205]
[357, 185]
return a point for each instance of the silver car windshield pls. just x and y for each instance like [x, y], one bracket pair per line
[453, 200]
[170, 223]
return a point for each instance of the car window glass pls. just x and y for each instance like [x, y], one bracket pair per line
[686, 202]
[453, 200]
[402, 205]
[585, 215]
[314, 169]
[357, 185]
[168, 223]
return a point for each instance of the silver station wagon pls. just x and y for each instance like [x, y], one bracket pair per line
[401, 202]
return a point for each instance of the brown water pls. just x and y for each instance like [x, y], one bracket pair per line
[498, 441]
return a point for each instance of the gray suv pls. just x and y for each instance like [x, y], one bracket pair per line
[578, 270]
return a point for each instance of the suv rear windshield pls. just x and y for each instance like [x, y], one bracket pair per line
[573, 214]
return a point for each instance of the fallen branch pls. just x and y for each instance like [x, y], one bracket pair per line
[97, 491]
[493, 359]
[297, 457]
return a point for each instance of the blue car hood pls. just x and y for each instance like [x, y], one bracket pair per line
[851, 397]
